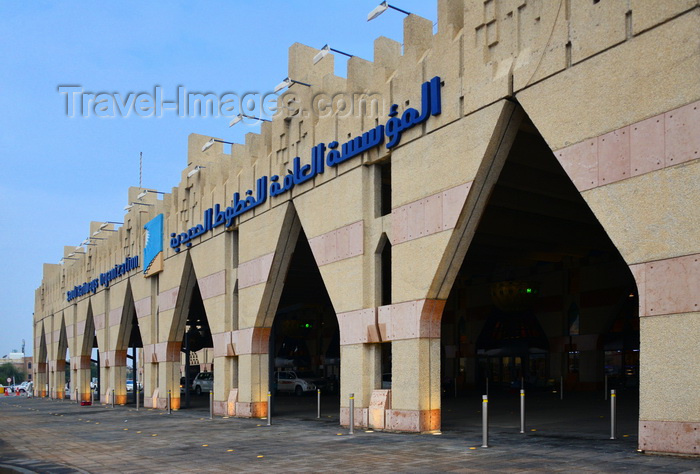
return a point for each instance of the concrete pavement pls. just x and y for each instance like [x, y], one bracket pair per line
[39, 435]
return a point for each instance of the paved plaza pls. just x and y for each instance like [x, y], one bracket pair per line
[41, 435]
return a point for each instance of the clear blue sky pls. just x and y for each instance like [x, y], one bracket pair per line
[60, 173]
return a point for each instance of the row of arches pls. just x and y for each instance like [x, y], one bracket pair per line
[531, 292]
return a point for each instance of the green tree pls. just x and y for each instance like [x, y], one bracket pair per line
[9, 370]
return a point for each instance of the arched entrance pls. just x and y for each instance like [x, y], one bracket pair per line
[543, 301]
[197, 369]
[304, 342]
[129, 340]
[41, 380]
[64, 388]
[90, 373]
[193, 333]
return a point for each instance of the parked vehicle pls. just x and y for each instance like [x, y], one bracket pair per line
[203, 382]
[291, 382]
[129, 385]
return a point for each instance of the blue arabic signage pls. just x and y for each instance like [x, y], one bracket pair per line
[322, 156]
[105, 278]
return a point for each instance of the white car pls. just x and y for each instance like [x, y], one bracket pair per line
[291, 382]
[203, 382]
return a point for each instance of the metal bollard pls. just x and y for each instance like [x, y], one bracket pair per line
[522, 411]
[211, 404]
[112, 398]
[613, 413]
[269, 408]
[352, 413]
[77, 398]
[92, 396]
[169, 410]
[485, 420]
[561, 387]
[137, 398]
[318, 404]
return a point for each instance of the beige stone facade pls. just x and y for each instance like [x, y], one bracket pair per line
[611, 89]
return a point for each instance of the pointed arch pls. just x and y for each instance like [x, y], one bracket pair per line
[128, 323]
[383, 277]
[188, 282]
[497, 151]
[62, 340]
[89, 339]
[43, 351]
[288, 237]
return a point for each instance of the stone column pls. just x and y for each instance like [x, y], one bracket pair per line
[80, 376]
[116, 362]
[360, 357]
[669, 334]
[58, 375]
[252, 345]
[167, 355]
[414, 329]
[40, 379]
[226, 375]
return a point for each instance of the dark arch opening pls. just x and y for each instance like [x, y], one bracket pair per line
[197, 374]
[63, 357]
[41, 380]
[543, 299]
[304, 341]
[134, 374]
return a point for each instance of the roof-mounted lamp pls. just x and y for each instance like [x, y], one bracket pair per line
[195, 171]
[381, 8]
[143, 193]
[326, 50]
[241, 116]
[288, 83]
[211, 142]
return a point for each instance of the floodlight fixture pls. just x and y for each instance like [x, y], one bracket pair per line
[287, 83]
[211, 142]
[104, 225]
[241, 116]
[143, 193]
[326, 50]
[381, 8]
[195, 171]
